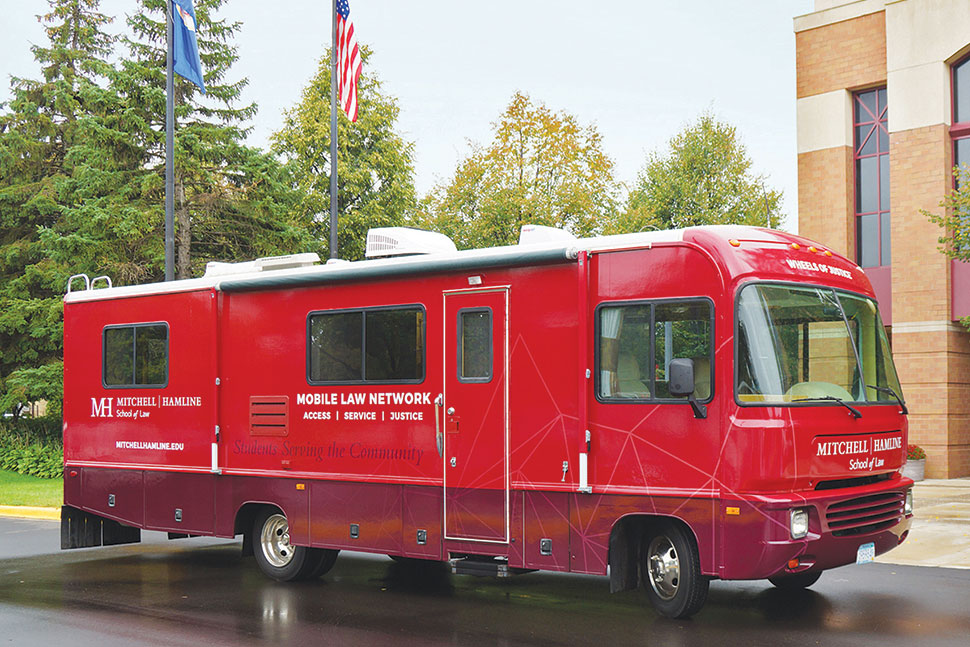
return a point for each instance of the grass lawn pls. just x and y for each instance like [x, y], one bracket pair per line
[17, 489]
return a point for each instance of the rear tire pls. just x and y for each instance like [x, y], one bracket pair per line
[796, 581]
[670, 571]
[274, 554]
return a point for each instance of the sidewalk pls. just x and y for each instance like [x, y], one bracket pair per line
[940, 535]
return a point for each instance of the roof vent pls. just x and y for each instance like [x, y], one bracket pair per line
[540, 234]
[265, 264]
[404, 241]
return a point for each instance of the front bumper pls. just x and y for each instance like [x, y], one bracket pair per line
[756, 539]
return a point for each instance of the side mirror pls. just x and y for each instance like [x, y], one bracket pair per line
[680, 383]
[680, 378]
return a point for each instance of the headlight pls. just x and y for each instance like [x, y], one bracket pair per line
[798, 523]
[908, 505]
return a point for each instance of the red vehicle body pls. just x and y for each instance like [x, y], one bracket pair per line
[507, 440]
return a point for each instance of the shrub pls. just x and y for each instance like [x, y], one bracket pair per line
[22, 454]
[915, 453]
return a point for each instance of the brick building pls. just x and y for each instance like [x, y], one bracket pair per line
[883, 108]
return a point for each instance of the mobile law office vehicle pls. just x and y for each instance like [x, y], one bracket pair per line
[716, 402]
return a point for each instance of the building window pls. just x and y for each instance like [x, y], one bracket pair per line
[375, 345]
[636, 342]
[960, 130]
[135, 356]
[871, 126]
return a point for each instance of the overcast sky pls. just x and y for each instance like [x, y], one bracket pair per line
[639, 70]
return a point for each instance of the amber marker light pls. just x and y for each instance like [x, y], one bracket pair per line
[734, 243]
[301, 486]
[796, 246]
[813, 249]
[828, 253]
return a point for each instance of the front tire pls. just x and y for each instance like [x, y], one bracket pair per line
[670, 571]
[796, 581]
[274, 554]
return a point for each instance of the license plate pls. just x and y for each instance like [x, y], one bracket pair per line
[866, 553]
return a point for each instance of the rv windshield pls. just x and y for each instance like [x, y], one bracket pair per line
[805, 344]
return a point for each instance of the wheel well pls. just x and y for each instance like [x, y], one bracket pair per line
[245, 518]
[624, 552]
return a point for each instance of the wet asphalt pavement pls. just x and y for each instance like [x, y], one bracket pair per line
[201, 592]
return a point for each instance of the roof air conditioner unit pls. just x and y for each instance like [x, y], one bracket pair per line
[404, 241]
[265, 264]
[540, 234]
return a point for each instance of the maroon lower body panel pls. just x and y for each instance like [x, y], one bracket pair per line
[558, 531]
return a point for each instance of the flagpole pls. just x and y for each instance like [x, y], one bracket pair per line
[333, 132]
[169, 146]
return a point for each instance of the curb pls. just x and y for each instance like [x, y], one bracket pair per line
[30, 512]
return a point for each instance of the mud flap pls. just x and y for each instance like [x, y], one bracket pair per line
[81, 529]
[624, 573]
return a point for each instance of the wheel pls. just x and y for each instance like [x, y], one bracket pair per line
[327, 558]
[796, 581]
[671, 572]
[275, 556]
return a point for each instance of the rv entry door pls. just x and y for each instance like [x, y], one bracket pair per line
[476, 417]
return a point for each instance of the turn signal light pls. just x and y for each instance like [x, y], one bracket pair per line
[792, 564]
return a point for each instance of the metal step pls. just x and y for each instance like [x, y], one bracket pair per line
[481, 567]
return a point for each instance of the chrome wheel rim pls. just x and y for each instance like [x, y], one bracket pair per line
[275, 541]
[663, 566]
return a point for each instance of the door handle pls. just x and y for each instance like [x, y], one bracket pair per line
[438, 436]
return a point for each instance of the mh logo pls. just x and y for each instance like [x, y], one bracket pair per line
[102, 408]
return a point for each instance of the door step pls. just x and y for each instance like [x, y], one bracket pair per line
[485, 567]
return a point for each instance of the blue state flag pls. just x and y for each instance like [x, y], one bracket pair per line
[185, 55]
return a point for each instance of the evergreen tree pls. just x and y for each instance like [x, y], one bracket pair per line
[39, 128]
[231, 201]
[375, 174]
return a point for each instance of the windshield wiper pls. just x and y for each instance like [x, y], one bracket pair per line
[889, 391]
[855, 412]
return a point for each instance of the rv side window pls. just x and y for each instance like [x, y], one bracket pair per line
[475, 345]
[135, 356]
[374, 345]
[638, 340]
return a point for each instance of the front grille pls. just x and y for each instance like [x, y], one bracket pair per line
[852, 482]
[865, 514]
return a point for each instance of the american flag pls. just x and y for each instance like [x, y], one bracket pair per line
[348, 60]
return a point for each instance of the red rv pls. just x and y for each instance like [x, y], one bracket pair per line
[677, 406]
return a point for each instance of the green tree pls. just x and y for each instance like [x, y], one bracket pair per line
[703, 177]
[955, 220]
[542, 167]
[231, 201]
[39, 128]
[375, 175]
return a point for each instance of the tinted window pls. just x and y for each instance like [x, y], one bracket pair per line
[135, 355]
[382, 345]
[475, 345]
[637, 341]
